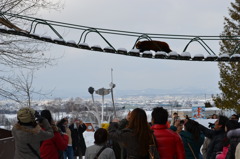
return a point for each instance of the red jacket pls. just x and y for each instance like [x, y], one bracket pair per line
[49, 148]
[170, 145]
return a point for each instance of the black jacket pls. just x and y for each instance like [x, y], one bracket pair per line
[77, 139]
[216, 143]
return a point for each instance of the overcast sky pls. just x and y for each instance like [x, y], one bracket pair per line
[79, 69]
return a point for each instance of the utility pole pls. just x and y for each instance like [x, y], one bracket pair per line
[102, 92]
[112, 85]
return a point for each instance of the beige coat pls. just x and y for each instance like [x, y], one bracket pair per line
[68, 132]
[237, 152]
[24, 135]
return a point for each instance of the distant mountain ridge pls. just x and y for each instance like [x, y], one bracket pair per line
[173, 92]
[151, 92]
[142, 92]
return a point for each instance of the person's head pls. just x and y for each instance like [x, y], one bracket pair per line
[231, 124]
[47, 114]
[100, 136]
[137, 118]
[62, 124]
[64, 121]
[234, 117]
[214, 116]
[141, 129]
[26, 116]
[77, 121]
[180, 126]
[192, 127]
[159, 116]
[175, 114]
[220, 122]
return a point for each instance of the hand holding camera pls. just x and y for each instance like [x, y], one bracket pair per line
[211, 125]
[38, 117]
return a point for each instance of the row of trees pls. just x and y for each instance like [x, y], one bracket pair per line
[79, 108]
[72, 108]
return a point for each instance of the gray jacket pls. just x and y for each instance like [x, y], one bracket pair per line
[205, 147]
[24, 135]
[234, 139]
[92, 151]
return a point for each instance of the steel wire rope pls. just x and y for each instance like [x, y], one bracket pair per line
[120, 32]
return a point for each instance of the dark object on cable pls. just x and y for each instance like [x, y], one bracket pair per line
[211, 125]
[153, 45]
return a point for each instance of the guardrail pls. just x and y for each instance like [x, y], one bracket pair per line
[7, 144]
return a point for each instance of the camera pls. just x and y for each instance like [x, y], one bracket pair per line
[38, 117]
[211, 125]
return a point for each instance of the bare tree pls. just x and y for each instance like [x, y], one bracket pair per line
[29, 7]
[20, 88]
[20, 52]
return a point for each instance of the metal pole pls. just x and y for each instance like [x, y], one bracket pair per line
[102, 107]
[114, 110]
[92, 98]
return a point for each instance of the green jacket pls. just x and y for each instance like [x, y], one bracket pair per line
[189, 143]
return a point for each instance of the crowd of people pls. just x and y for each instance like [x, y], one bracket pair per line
[38, 136]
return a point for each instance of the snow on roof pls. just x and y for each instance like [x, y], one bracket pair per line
[186, 54]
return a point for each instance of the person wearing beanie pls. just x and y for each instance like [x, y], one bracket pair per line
[28, 134]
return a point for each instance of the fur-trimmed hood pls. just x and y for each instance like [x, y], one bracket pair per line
[29, 129]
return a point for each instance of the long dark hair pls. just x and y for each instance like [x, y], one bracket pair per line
[139, 124]
[230, 125]
[47, 114]
[61, 126]
[193, 127]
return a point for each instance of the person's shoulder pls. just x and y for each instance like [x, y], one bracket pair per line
[108, 150]
[92, 146]
[185, 134]
[166, 132]
[173, 134]
[127, 130]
